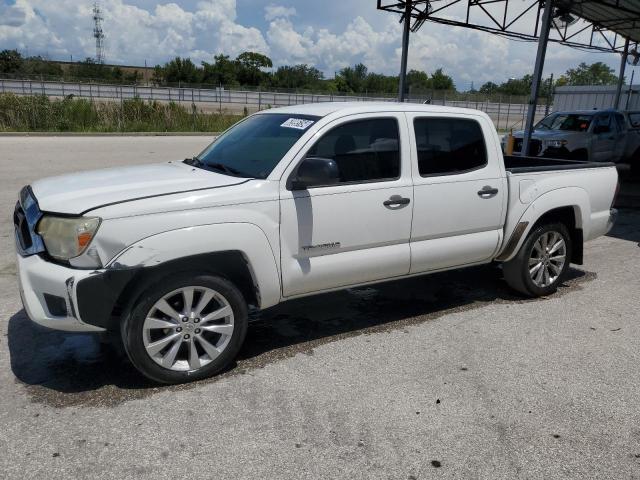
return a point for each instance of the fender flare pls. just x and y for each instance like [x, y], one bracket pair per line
[246, 238]
[573, 197]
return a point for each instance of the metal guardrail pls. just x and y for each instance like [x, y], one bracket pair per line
[505, 115]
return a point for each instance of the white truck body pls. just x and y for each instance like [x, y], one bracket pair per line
[295, 243]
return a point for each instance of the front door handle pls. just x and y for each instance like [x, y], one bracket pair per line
[487, 192]
[396, 200]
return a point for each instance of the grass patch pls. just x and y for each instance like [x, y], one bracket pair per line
[40, 114]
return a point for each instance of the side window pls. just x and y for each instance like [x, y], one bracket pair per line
[603, 124]
[447, 146]
[364, 150]
[620, 122]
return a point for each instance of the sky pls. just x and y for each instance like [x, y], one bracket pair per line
[328, 34]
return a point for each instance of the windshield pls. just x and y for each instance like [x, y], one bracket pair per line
[253, 147]
[573, 122]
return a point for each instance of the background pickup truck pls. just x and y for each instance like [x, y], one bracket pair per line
[595, 135]
[291, 202]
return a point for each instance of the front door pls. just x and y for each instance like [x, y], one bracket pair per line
[358, 230]
[605, 138]
[459, 194]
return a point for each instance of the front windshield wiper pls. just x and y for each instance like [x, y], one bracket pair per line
[217, 166]
[225, 168]
[193, 161]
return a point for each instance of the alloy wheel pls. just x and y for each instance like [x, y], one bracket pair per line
[188, 328]
[547, 258]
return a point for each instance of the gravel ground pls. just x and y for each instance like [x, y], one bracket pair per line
[446, 376]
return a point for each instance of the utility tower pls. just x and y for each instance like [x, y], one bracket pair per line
[97, 33]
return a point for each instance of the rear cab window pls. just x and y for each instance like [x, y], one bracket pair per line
[449, 146]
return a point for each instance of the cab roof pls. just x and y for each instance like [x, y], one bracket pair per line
[323, 109]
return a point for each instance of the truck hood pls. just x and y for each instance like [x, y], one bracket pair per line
[78, 193]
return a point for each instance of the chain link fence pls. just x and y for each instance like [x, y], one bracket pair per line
[507, 112]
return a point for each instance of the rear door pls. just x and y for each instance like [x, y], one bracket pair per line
[358, 230]
[459, 189]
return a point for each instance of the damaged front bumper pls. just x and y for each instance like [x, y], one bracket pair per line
[69, 299]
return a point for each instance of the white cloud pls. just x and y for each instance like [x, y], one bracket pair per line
[473, 56]
[359, 42]
[12, 15]
[271, 12]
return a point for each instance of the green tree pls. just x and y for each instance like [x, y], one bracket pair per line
[223, 71]
[595, 74]
[88, 69]
[181, 70]
[441, 81]
[517, 86]
[41, 66]
[158, 75]
[10, 61]
[297, 76]
[250, 67]
[489, 88]
[418, 81]
[353, 78]
[377, 83]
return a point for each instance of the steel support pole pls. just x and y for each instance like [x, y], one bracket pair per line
[623, 64]
[630, 90]
[543, 40]
[405, 50]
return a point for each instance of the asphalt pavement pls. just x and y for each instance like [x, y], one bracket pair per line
[446, 376]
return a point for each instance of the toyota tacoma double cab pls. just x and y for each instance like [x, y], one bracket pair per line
[291, 202]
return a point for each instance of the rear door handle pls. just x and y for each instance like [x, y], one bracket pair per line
[487, 192]
[396, 200]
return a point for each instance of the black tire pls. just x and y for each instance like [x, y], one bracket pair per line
[133, 322]
[516, 271]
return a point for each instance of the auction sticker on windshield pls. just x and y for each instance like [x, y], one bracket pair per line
[297, 123]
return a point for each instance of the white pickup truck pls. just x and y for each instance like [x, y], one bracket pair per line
[291, 202]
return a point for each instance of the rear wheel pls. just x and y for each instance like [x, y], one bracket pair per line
[185, 328]
[542, 262]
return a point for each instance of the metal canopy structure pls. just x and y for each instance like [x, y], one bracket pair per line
[600, 25]
[620, 16]
[600, 30]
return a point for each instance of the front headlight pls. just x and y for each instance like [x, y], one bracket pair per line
[66, 238]
[556, 143]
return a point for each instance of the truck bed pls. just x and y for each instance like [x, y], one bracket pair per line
[520, 164]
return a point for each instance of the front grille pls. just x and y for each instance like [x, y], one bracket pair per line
[534, 146]
[517, 145]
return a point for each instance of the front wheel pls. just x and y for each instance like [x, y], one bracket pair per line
[542, 262]
[185, 328]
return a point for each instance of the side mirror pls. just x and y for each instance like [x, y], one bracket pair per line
[316, 172]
